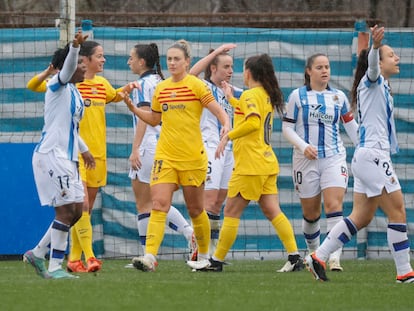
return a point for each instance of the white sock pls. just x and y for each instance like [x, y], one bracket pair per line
[142, 225]
[214, 225]
[331, 220]
[43, 247]
[214, 231]
[312, 232]
[58, 243]
[400, 247]
[339, 235]
[177, 222]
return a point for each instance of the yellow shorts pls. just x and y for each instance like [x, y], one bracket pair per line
[252, 187]
[179, 173]
[94, 178]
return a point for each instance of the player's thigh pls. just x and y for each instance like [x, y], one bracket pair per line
[306, 177]
[57, 180]
[333, 172]
[373, 171]
[94, 178]
[144, 173]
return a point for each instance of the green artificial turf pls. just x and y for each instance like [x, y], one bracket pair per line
[243, 285]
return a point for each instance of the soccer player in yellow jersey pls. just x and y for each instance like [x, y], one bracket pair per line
[96, 92]
[180, 157]
[256, 167]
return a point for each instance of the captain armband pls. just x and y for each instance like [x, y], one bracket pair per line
[347, 117]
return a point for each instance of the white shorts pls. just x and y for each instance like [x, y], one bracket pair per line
[144, 173]
[219, 170]
[57, 180]
[310, 177]
[372, 169]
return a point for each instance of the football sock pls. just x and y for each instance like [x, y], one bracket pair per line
[331, 220]
[201, 226]
[312, 232]
[83, 229]
[75, 252]
[142, 225]
[339, 235]
[214, 231]
[177, 222]
[155, 232]
[58, 243]
[400, 247]
[284, 230]
[214, 225]
[228, 235]
[43, 247]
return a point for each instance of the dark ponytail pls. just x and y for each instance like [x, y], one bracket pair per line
[361, 69]
[262, 70]
[149, 53]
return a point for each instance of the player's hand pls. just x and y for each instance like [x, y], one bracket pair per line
[127, 100]
[227, 89]
[135, 160]
[221, 147]
[51, 70]
[89, 160]
[377, 34]
[131, 85]
[227, 47]
[311, 153]
[79, 38]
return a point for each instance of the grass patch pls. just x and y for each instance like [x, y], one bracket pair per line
[244, 285]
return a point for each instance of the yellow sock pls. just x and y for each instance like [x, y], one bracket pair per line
[201, 226]
[228, 235]
[155, 232]
[75, 252]
[285, 232]
[84, 230]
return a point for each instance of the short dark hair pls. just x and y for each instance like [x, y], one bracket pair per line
[59, 57]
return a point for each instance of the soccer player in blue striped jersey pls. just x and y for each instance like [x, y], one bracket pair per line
[144, 60]
[55, 160]
[375, 181]
[217, 67]
[311, 123]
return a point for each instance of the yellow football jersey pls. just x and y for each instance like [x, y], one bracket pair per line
[253, 153]
[181, 104]
[96, 93]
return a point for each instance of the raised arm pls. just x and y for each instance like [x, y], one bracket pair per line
[71, 61]
[374, 69]
[202, 64]
[38, 82]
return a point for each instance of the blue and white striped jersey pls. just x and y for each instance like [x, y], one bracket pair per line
[62, 112]
[376, 115]
[210, 126]
[316, 116]
[143, 97]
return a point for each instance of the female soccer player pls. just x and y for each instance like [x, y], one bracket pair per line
[311, 124]
[217, 67]
[144, 60]
[55, 160]
[180, 156]
[375, 181]
[96, 92]
[256, 167]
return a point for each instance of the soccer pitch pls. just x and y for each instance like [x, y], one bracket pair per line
[244, 285]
